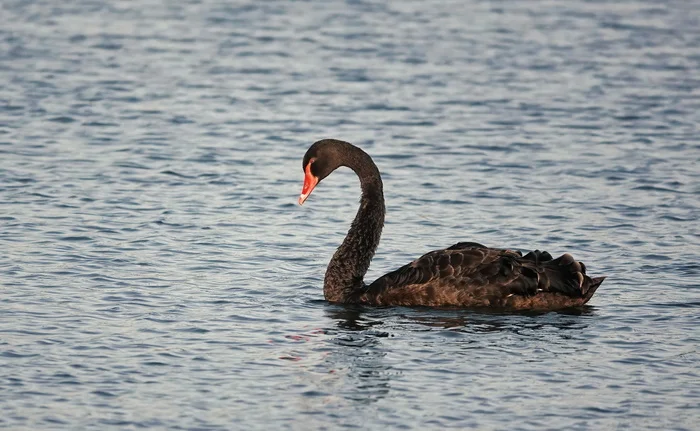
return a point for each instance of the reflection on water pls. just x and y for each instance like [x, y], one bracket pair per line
[362, 337]
[358, 354]
[156, 271]
[359, 318]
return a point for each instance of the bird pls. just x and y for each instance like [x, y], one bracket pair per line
[465, 275]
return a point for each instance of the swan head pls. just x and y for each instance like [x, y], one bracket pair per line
[322, 158]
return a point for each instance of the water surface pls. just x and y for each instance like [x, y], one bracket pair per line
[156, 271]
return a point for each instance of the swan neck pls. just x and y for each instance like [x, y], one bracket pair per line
[346, 270]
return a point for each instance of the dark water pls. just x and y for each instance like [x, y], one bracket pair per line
[156, 271]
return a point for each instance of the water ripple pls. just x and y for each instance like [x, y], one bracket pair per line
[157, 273]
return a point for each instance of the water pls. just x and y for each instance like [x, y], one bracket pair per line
[156, 271]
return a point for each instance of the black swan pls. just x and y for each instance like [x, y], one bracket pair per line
[466, 274]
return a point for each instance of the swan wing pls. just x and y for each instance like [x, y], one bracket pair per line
[470, 274]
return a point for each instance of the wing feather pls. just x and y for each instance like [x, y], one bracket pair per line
[469, 273]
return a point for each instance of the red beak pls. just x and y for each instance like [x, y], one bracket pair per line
[310, 182]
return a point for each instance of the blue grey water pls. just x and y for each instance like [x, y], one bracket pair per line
[156, 271]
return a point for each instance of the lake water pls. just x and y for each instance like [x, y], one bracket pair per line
[156, 271]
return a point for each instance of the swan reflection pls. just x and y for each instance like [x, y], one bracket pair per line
[367, 353]
[358, 318]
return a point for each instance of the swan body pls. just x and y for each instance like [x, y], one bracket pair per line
[467, 274]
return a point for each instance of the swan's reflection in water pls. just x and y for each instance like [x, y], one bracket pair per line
[358, 318]
[359, 355]
[371, 348]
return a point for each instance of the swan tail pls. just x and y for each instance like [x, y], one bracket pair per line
[593, 286]
[567, 276]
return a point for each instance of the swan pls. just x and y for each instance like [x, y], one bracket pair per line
[466, 274]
